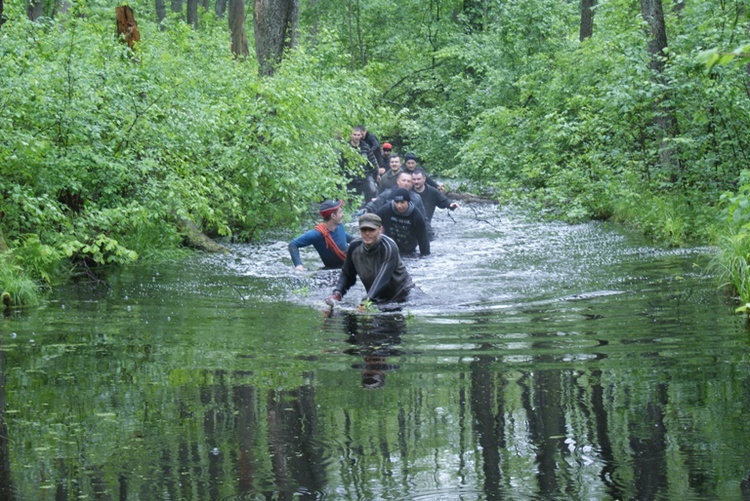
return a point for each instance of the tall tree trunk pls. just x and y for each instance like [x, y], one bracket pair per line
[236, 18]
[127, 27]
[276, 25]
[192, 13]
[653, 14]
[35, 9]
[2, 16]
[220, 8]
[587, 19]
[176, 5]
[161, 11]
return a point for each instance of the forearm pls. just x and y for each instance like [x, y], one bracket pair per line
[294, 253]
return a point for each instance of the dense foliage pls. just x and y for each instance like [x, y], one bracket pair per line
[103, 152]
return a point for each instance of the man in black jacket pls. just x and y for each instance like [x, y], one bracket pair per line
[403, 180]
[376, 260]
[404, 224]
[363, 179]
[431, 198]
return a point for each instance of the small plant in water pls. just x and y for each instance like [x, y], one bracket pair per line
[366, 306]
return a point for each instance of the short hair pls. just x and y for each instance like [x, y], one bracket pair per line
[360, 128]
[419, 170]
[403, 173]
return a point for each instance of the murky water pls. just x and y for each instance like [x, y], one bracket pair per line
[547, 361]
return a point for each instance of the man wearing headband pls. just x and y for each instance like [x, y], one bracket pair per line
[329, 237]
[375, 259]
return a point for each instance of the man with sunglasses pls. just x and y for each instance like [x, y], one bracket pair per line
[375, 259]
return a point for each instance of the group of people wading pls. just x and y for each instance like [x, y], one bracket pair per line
[399, 202]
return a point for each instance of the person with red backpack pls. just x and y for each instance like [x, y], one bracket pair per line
[329, 238]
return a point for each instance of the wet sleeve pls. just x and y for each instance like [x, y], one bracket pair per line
[374, 205]
[442, 201]
[422, 237]
[303, 240]
[419, 206]
[348, 275]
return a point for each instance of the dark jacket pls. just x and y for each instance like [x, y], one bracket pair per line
[374, 146]
[387, 196]
[388, 180]
[407, 229]
[379, 268]
[432, 198]
[427, 179]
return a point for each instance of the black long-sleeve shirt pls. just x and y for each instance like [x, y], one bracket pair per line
[408, 229]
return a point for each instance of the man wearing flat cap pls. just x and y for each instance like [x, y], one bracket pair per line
[405, 224]
[329, 238]
[375, 259]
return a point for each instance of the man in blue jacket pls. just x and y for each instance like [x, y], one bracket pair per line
[329, 237]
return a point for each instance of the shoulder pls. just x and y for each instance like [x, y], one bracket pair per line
[385, 210]
[307, 236]
[388, 243]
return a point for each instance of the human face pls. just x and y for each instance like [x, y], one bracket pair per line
[418, 180]
[370, 236]
[404, 181]
[338, 216]
[401, 206]
[395, 163]
[411, 164]
[356, 136]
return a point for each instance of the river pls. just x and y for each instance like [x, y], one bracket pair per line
[545, 361]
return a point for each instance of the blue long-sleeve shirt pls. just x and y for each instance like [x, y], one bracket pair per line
[317, 240]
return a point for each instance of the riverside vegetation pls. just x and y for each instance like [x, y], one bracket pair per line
[106, 152]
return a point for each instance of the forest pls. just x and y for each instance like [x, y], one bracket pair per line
[127, 130]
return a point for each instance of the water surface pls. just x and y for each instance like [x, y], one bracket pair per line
[547, 361]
